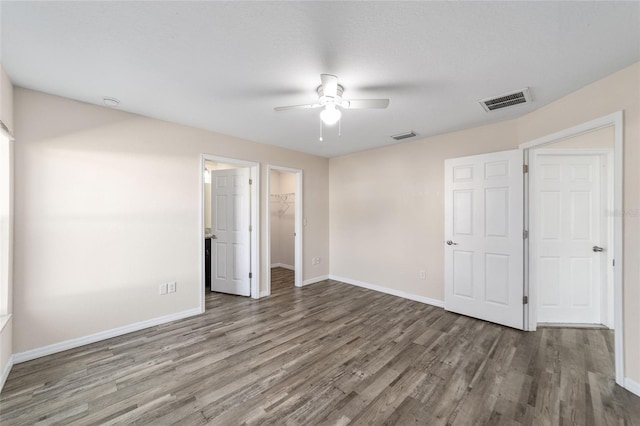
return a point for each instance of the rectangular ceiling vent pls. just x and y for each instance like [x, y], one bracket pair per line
[506, 100]
[404, 135]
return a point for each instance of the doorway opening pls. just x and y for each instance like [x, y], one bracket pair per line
[575, 230]
[229, 227]
[284, 228]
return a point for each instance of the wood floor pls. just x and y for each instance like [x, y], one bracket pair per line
[281, 278]
[329, 354]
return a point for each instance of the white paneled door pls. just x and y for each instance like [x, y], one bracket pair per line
[483, 237]
[230, 226]
[566, 233]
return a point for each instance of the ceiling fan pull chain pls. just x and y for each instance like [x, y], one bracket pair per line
[320, 130]
[340, 127]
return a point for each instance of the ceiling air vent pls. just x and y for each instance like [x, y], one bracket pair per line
[506, 100]
[404, 135]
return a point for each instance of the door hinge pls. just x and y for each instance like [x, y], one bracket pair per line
[525, 300]
[250, 275]
[250, 228]
[525, 234]
[525, 168]
[613, 262]
[250, 181]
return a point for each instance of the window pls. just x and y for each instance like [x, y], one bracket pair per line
[5, 221]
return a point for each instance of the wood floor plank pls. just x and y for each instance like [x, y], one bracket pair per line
[329, 354]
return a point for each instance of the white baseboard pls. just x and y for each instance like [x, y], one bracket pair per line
[393, 292]
[632, 386]
[315, 280]
[102, 335]
[5, 372]
[265, 293]
[283, 265]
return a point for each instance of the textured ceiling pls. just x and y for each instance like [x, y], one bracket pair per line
[224, 66]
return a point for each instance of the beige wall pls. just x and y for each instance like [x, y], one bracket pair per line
[387, 204]
[387, 209]
[283, 218]
[6, 333]
[107, 208]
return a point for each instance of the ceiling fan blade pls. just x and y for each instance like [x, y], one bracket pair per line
[308, 106]
[329, 85]
[365, 103]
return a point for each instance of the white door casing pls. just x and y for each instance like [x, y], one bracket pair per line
[484, 241]
[568, 207]
[230, 222]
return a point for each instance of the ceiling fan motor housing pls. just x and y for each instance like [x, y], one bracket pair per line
[330, 98]
[324, 100]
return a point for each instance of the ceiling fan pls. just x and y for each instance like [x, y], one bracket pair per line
[330, 98]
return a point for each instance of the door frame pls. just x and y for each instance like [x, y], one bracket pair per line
[254, 214]
[615, 120]
[297, 226]
[605, 156]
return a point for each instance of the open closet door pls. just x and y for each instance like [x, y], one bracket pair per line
[483, 248]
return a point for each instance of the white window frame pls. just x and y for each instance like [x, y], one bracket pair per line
[6, 222]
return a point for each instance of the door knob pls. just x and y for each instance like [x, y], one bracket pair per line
[451, 243]
[597, 249]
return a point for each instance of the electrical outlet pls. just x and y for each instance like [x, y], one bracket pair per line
[171, 287]
[423, 275]
[163, 288]
[315, 261]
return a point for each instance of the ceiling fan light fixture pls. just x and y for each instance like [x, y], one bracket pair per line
[330, 99]
[330, 115]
